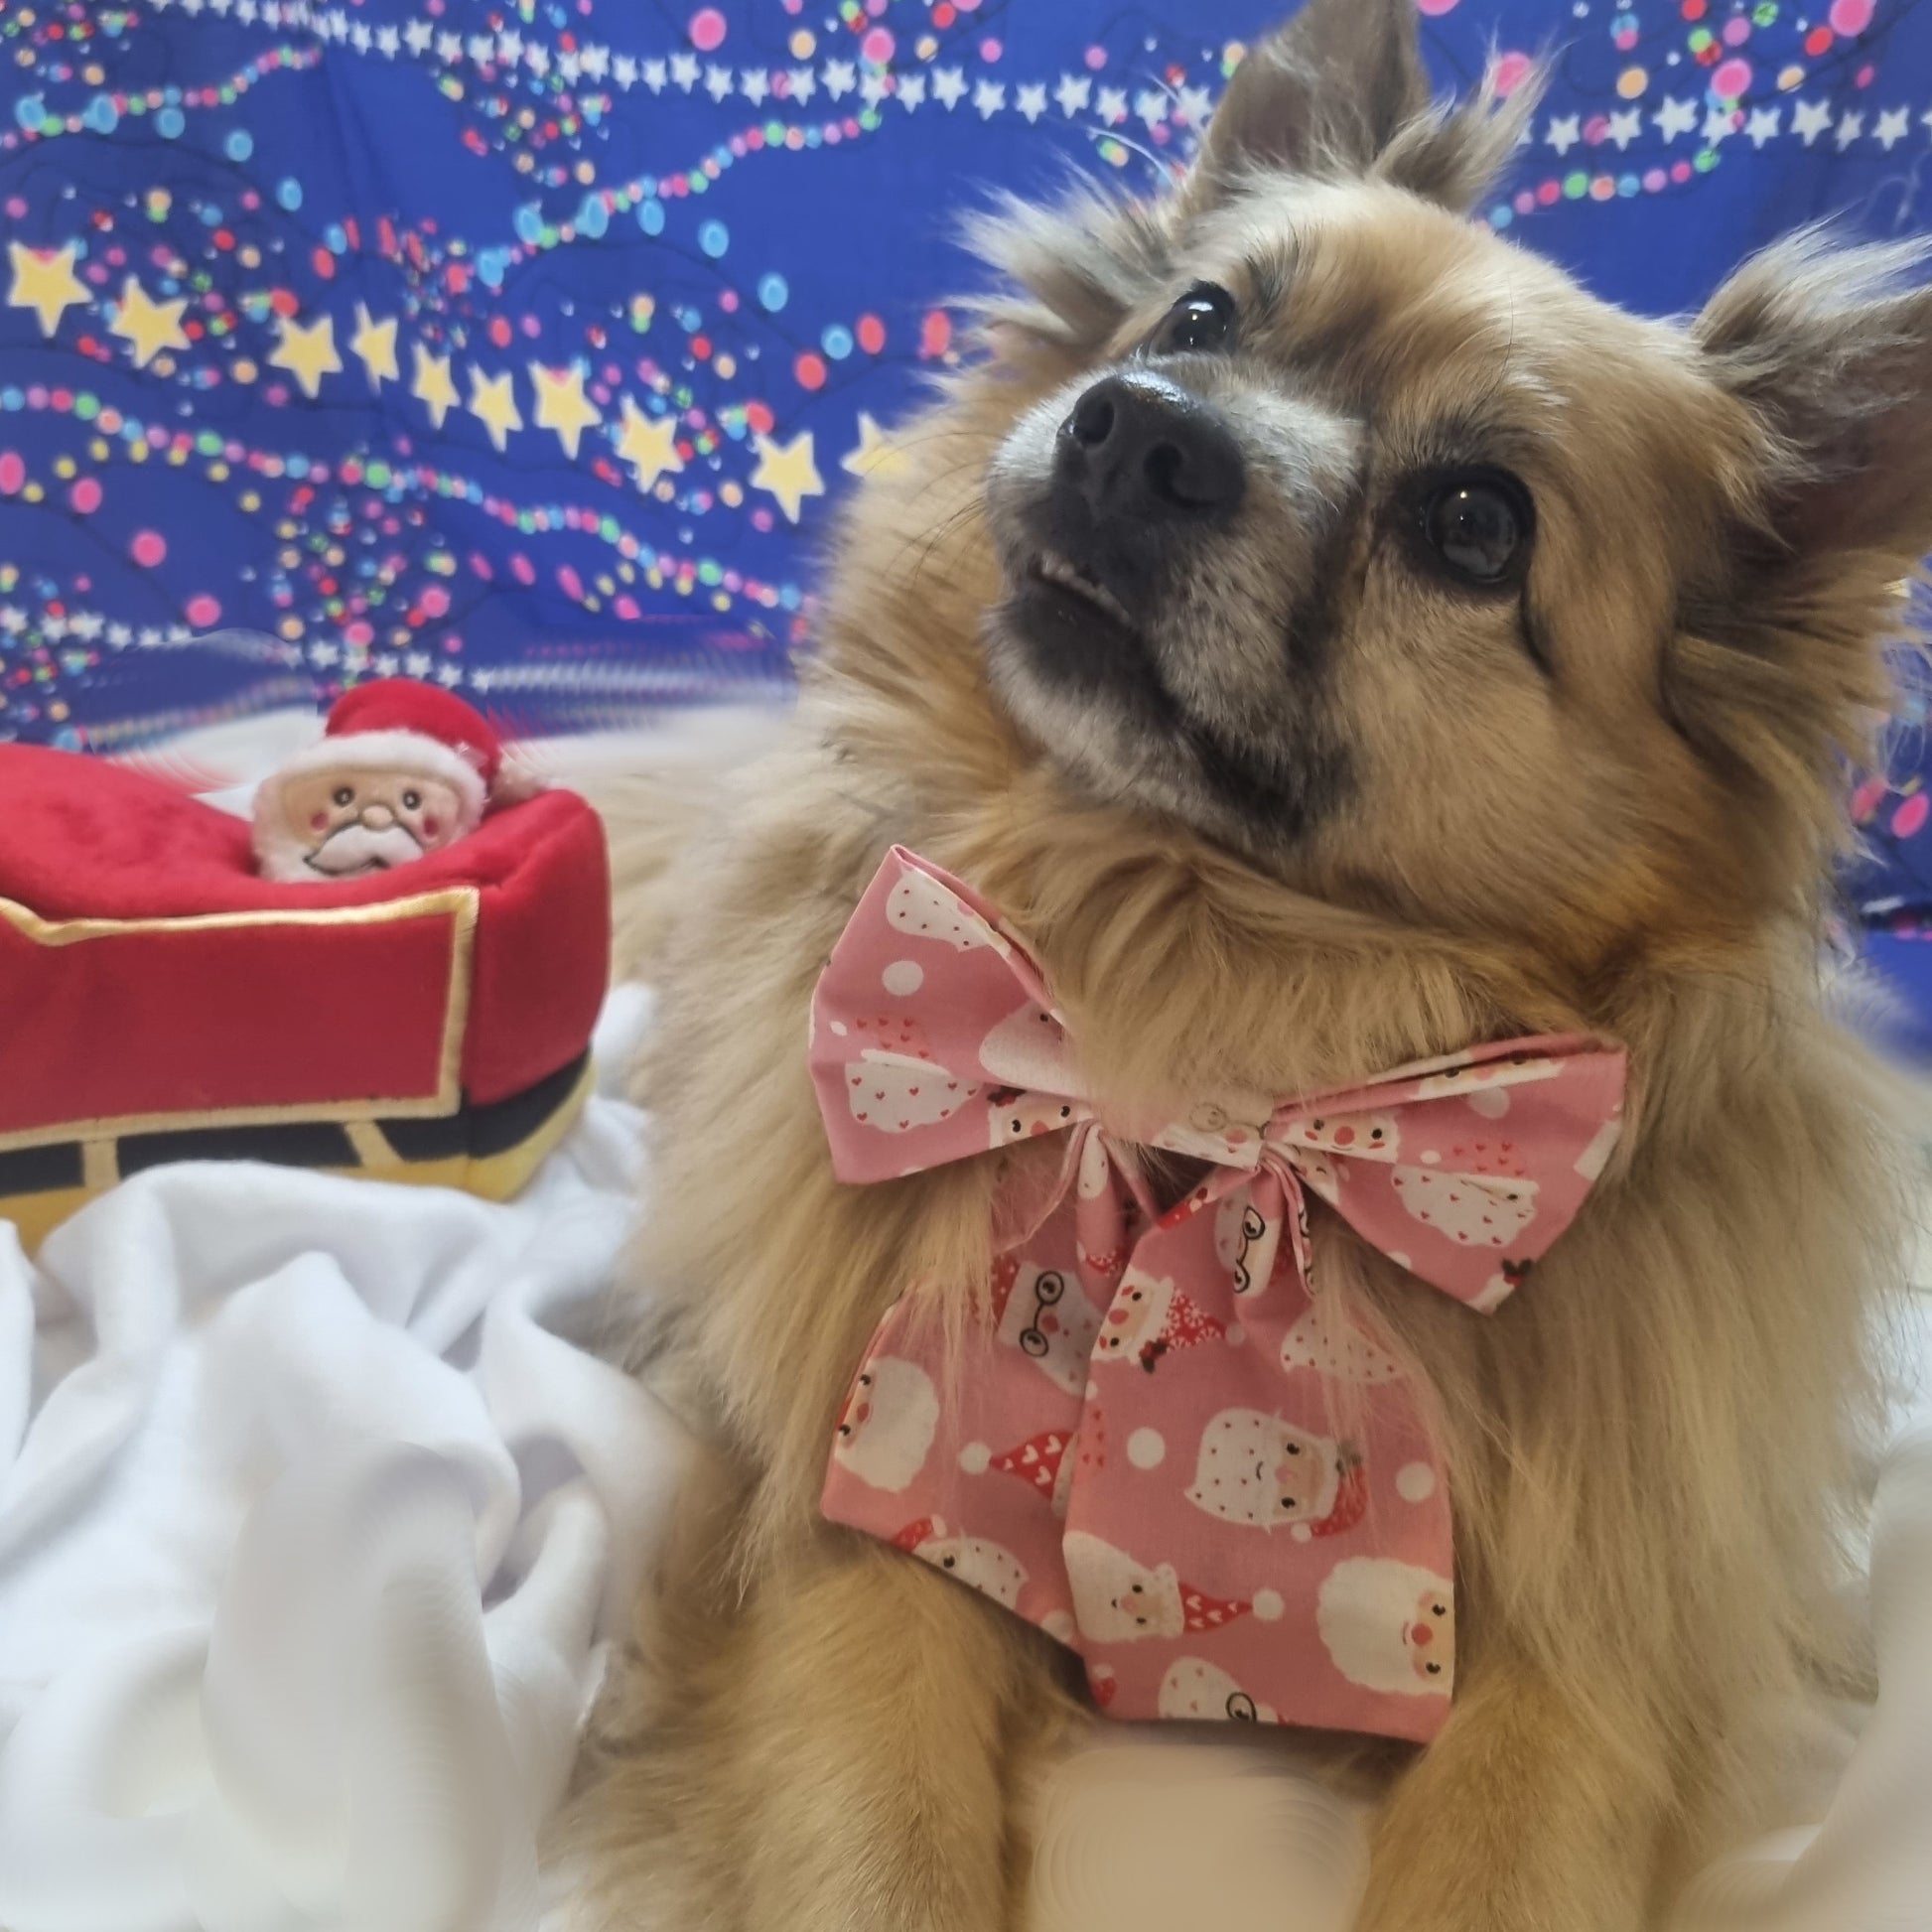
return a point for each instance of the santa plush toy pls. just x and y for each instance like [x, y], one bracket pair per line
[402, 768]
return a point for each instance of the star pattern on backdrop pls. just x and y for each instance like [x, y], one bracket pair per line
[492, 401]
[788, 472]
[146, 326]
[307, 350]
[374, 344]
[43, 281]
[649, 444]
[562, 405]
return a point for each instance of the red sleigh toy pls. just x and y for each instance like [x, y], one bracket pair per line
[163, 1002]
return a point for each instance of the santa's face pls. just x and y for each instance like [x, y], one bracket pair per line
[1428, 1637]
[351, 820]
[1261, 1472]
[1135, 1319]
[1116, 1600]
[1015, 1117]
[1027, 1049]
[1052, 1323]
[978, 1564]
[886, 1431]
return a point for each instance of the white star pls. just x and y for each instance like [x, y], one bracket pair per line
[55, 628]
[569, 64]
[624, 69]
[804, 84]
[245, 11]
[418, 663]
[1192, 105]
[1675, 117]
[1891, 127]
[120, 636]
[948, 87]
[191, 6]
[596, 61]
[537, 60]
[718, 82]
[1032, 100]
[222, 7]
[85, 625]
[654, 76]
[450, 676]
[1762, 125]
[509, 47]
[989, 97]
[1562, 135]
[13, 620]
[360, 37]
[839, 79]
[754, 83]
[386, 663]
[1624, 127]
[1809, 119]
[388, 43]
[1718, 126]
[874, 87]
[1151, 104]
[1074, 93]
[323, 655]
[481, 48]
[419, 34]
[1849, 127]
[449, 48]
[148, 637]
[911, 90]
[684, 70]
[1113, 105]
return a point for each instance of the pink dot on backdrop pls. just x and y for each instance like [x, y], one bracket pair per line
[877, 46]
[148, 548]
[13, 473]
[434, 601]
[1912, 815]
[1732, 79]
[522, 569]
[572, 584]
[1851, 16]
[706, 30]
[85, 495]
[1737, 29]
[1511, 70]
[1435, 6]
[202, 612]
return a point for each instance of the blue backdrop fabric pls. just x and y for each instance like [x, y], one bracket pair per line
[527, 345]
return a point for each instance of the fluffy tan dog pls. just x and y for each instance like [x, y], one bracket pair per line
[1332, 637]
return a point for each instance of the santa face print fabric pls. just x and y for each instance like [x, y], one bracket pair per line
[1164, 1446]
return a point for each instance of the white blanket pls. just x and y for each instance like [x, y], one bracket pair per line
[318, 1511]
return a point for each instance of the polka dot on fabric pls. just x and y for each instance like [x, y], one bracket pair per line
[1912, 815]
[148, 548]
[1415, 1482]
[1059, 1625]
[1236, 1337]
[1732, 79]
[1851, 16]
[1492, 1103]
[902, 976]
[878, 46]
[1431, 1158]
[1146, 1449]
[13, 473]
[975, 1458]
[1512, 69]
[202, 612]
[85, 495]
[706, 30]
[1435, 7]
[1267, 1605]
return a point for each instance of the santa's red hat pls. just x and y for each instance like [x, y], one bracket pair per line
[928, 1529]
[1036, 1461]
[1205, 1612]
[396, 724]
[1348, 1508]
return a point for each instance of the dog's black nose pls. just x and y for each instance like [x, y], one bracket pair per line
[1138, 446]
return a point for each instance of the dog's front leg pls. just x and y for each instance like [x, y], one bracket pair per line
[1516, 1819]
[885, 1708]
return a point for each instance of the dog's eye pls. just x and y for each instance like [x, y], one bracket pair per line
[1203, 319]
[344, 795]
[1479, 524]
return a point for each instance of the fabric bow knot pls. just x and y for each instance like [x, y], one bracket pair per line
[1164, 1448]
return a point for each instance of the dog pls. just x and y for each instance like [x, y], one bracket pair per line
[1330, 637]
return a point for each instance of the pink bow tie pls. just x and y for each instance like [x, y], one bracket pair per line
[1166, 1447]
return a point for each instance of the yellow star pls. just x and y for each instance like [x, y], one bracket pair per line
[788, 472]
[431, 385]
[562, 404]
[649, 442]
[375, 343]
[877, 455]
[148, 327]
[307, 352]
[492, 401]
[43, 281]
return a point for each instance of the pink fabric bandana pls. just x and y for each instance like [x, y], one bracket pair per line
[1164, 1448]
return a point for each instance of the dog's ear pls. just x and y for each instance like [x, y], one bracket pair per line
[1340, 91]
[1831, 351]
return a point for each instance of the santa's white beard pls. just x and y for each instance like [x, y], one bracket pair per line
[355, 849]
